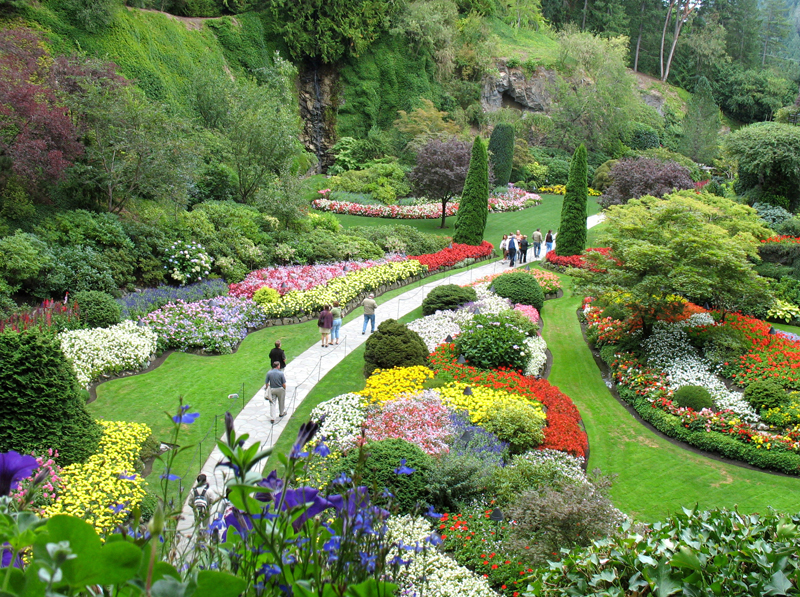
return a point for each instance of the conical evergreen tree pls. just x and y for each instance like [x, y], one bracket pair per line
[474, 207]
[572, 231]
[501, 149]
[701, 125]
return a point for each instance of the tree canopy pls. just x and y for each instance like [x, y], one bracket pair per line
[441, 170]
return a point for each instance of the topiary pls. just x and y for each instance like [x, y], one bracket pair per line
[40, 402]
[378, 468]
[97, 309]
[763, 395]
[501, 150]
[520, 288]
[695, 397]
[448, 296]
[602, 175]
[393, 345]
[519, 423]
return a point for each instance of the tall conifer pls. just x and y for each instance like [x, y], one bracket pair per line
[501, 148]
[474, 207]
[571, 238]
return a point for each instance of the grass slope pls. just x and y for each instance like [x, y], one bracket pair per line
[546, 216]
[655, 477]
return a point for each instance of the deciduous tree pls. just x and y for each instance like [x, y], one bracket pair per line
[441, 171]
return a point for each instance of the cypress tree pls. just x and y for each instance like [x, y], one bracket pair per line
[474, 207]
[701, 125]
[501, 148]
[572, 231]
[40, 403]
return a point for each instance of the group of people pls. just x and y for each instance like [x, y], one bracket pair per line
[515, 246]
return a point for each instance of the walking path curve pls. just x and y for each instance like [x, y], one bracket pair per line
[305, 370]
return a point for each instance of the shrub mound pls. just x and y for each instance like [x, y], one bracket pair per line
[518, 423]
[520, 288]
[378, 472]
[763, 395]
[97, 309]
[449, 296]
[695, 397]
[393, 345]
[492, 342]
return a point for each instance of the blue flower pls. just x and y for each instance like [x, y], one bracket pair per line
[431, 513]
[169, 476]
[322, 450]
[306, 434]
[184, 417]
[127, 477]
[117, 509]
[403, 469]
[13, 468]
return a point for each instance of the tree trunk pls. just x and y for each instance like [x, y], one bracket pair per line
[680, 18]
[639, 39]
[766, 43]
[664, 36]
[444, 212]
[585, 9]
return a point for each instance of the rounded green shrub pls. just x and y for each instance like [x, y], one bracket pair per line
[695, 397]
[97, 309]
[393, 345]
[643, 136]
[763, 395]
[266, 296]
[518, 423]
[521, 288]
[383, 458]
[492, 341]
[449, 296]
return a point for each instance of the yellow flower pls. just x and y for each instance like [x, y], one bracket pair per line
[385, 384]
[482, 400]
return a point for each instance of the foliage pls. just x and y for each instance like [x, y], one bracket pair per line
[767, 156]
[473, 210]
[520, 288]
[377, 471]
[572, 229]
[751, 95]
[517, 423]
[695, 397]
[692, 549]
[773, 215]
[643, 136]
[385, 182]
[425, 123]
[265, 296]
[22, 257]
[41, 404]
[393, 345]
[665, 155]
[90, 15]
[701, 125]
[456, 479]
[493, 341]
[441, 170]
[634, 178]
[188, 262]
[535, 470]
[97, 309]
[764, 395]
[501, 152]
[447, 296]
[602, 175]
[400, 238]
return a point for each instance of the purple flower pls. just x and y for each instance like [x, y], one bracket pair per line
[127, 477]
[13, 468]
[184, 417]
[403, 469]
[169, 476]
[307, 432]
[304, 496]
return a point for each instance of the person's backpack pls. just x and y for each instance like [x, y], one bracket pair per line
[200, 500]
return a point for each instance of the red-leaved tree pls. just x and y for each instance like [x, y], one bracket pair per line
[441, 170]
[634, 178]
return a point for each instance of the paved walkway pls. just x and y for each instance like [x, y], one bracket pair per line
[304, 371]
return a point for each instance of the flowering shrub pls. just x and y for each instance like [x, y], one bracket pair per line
[50, 315]
[188, 262]
[434, 329]
[562, 263]
[538, 351]
[529, 312]
[548, 281]
[456, 253]
[138, 304]
[385, 385]
[423, 420]
[344, 416]
[490, 341]
[104, 489]
[213, 325]
[792, 240]
[108, 351]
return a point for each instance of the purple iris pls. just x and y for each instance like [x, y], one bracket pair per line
[403, 469]
[13, 468]
[184, 417]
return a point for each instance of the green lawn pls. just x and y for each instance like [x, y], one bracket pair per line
[205, 382]
[546, 216]
[654, 476]
[787, 328]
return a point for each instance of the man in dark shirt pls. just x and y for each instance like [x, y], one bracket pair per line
[276, 354]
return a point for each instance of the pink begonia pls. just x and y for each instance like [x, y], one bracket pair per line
[422, 420]
[530, 312]
[299, 277]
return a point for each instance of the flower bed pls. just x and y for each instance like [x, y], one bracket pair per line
[215, 325]
[560, 189]
[454, 254]
[548, 281]
[562, 263]
[108, 351]
[105, 488]
[792, 240]
[423, 420]
[514, 200]
[139, 304]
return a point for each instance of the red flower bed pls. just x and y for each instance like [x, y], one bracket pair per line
[454, 254]
[771, 356]
[574, 260]
[50, 315]
[794, 240]
[563, 431]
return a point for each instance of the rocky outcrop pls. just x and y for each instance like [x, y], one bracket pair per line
[512, 89]
[318, 86]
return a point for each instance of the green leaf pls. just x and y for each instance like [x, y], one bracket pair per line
[686, 559]
[211, 583]
[370, 588]
[663, 583]
[168, 587]
[778, 584]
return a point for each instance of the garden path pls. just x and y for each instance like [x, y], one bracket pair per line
[305, 370]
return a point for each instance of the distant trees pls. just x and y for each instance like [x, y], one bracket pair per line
[572, 230]
[501, 153]
[701, 125]
[441, 171]
[474, 207]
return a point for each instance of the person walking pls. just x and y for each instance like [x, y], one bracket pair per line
[276, 391]
[504, 246]
[523, 249]
[536, 237]
[548, 242]
[369, 305]
[512, 250]
[325, 323]
[276, 354]
[336, 313]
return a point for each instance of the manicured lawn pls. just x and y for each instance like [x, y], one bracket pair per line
[787, 328]
[546, 216]
[205, 382]
[654, 476]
